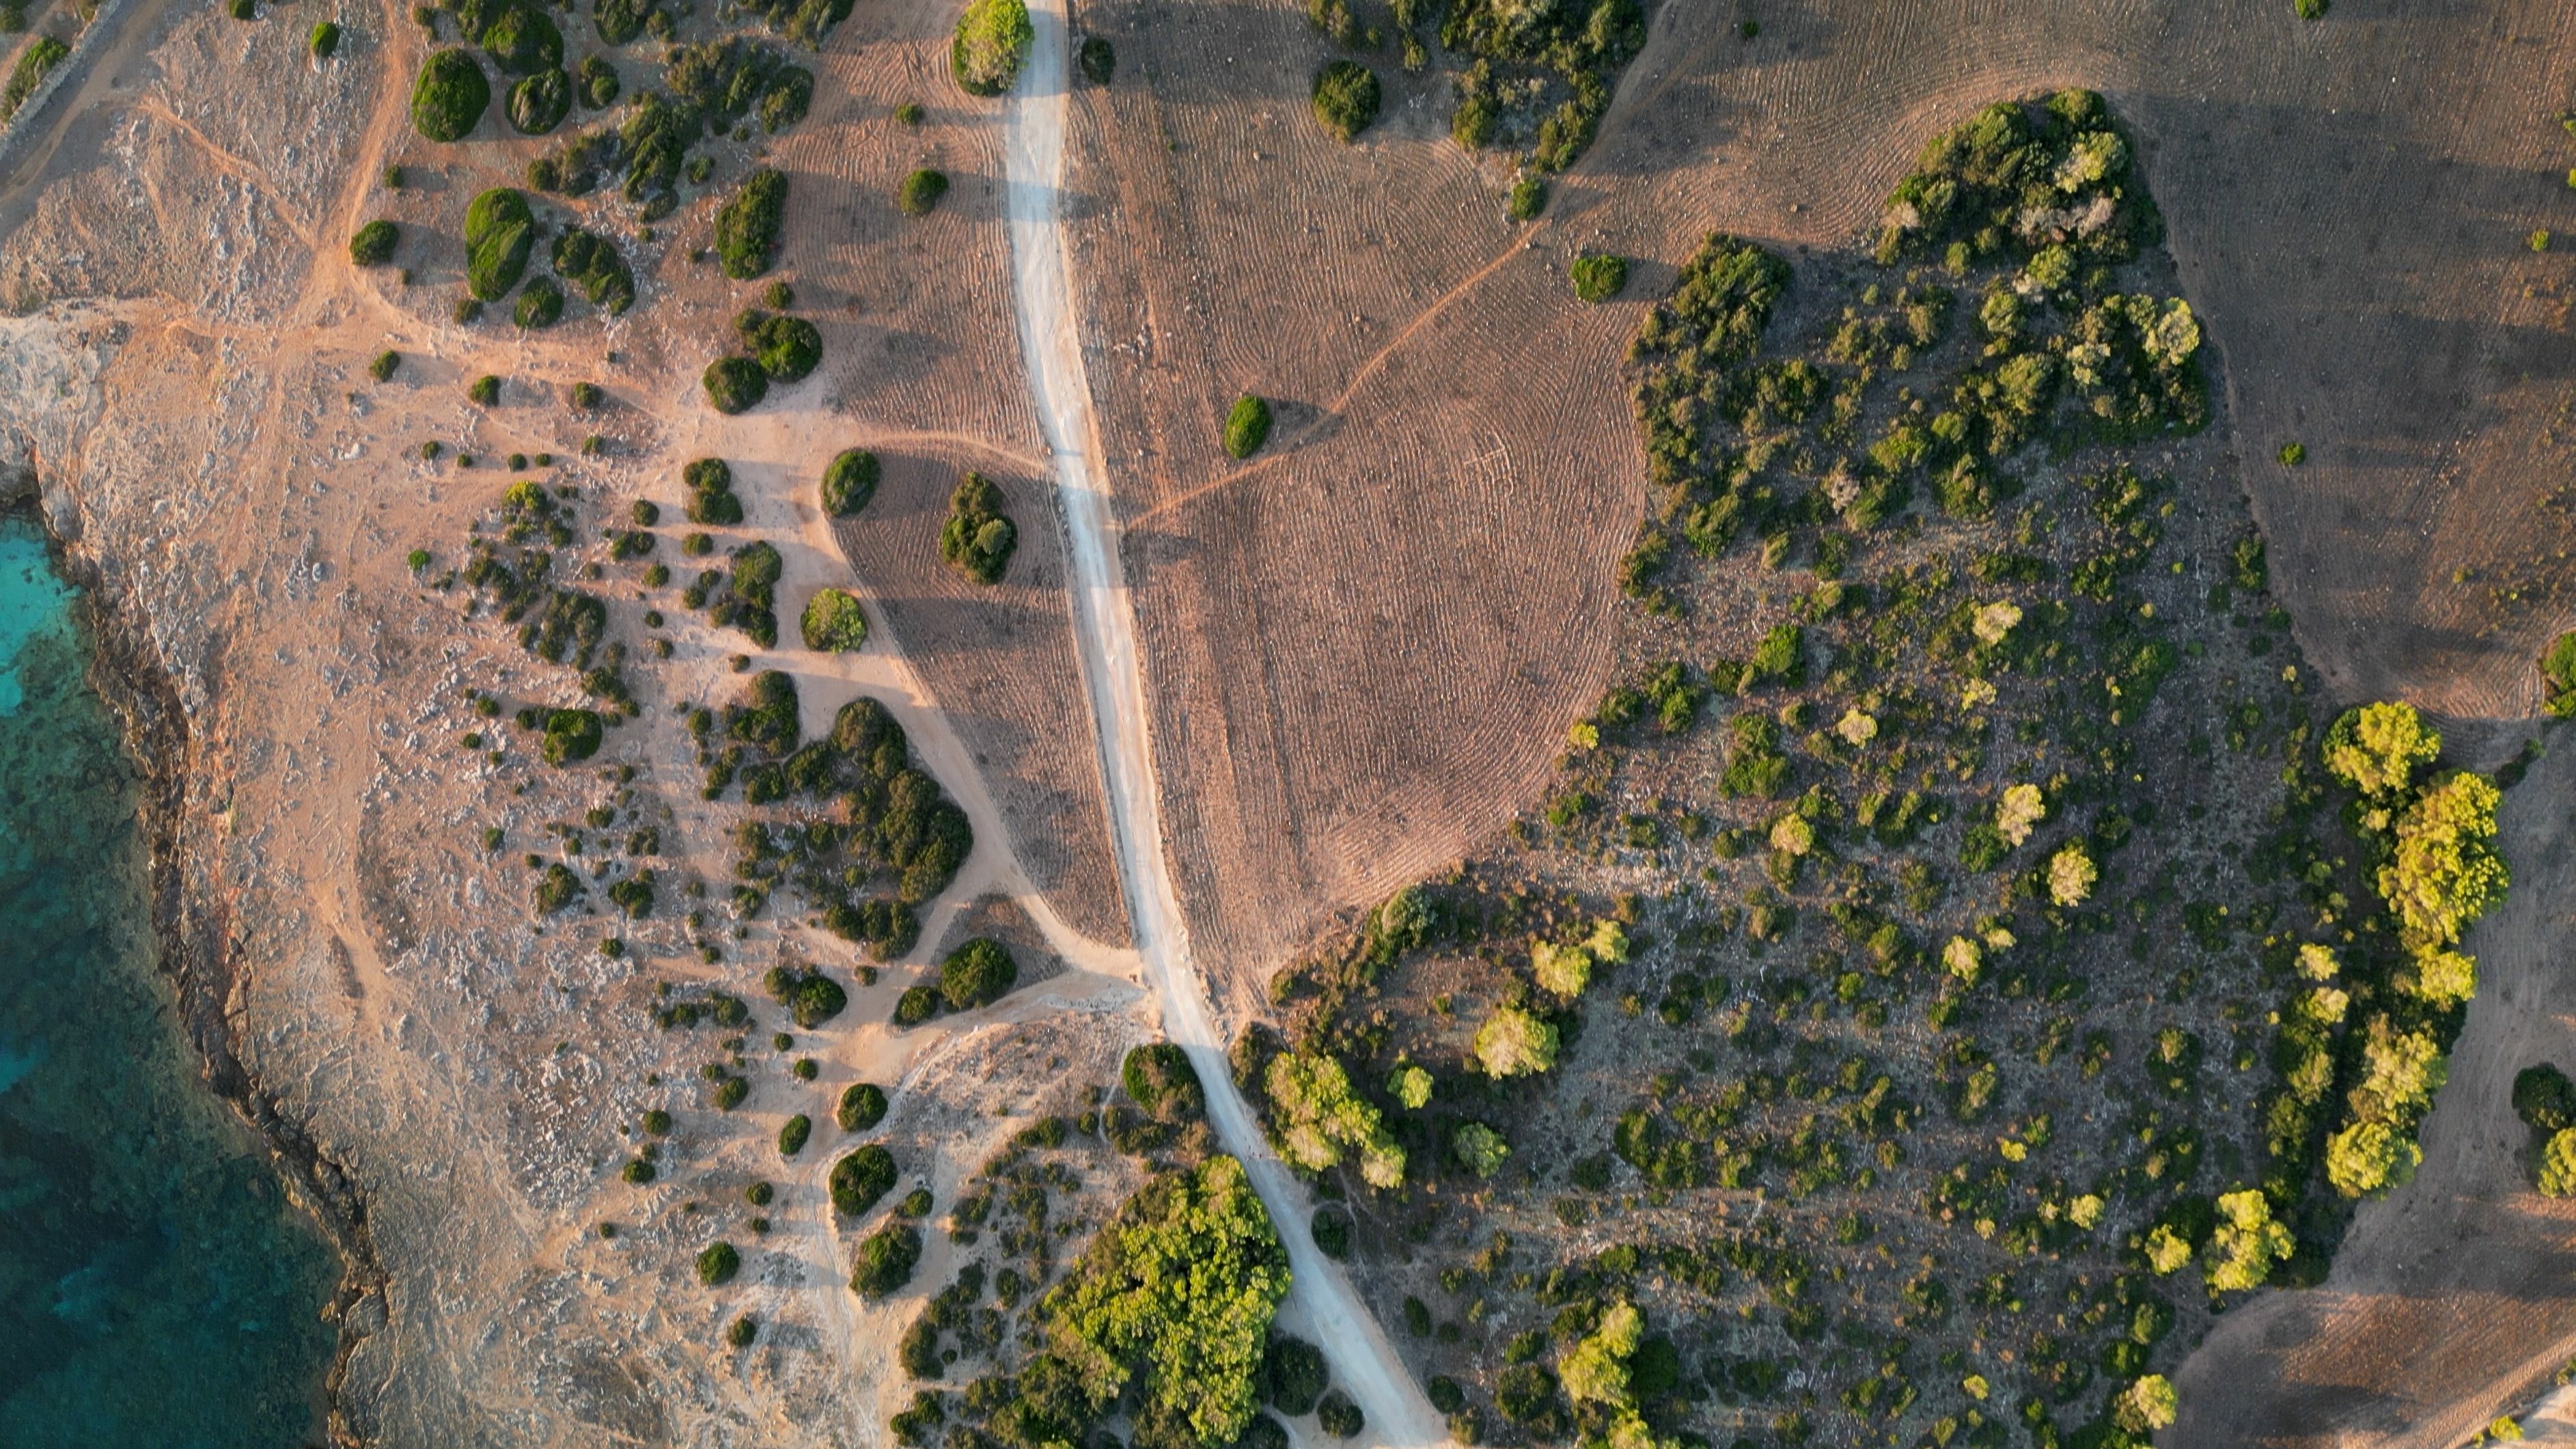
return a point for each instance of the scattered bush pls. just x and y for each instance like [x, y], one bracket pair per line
[849, 482]
[863, 1105]
[325, 39]
[993, 38]
[1331, 1227]
[619, 21]
[2555, 1175]
[860, 1178]
[833, 622]
[977, 973]
[499, 231]
[1598, 278]
[2544, 1099]
[484, 391]
[2558, 668]
[717, 1263]
[522, 40]
[595, 83]
[1247, 426]
[749, 225]
[540, 304]
[741, 1332]
[735, 384]
[539, 103]
[571, 735]
[1527, 198]
[977, 539]
[787, 348]
[811, 998]
[1159, 1077]
[793, 1134]
[921, 191]
[382, 368]
[885, 1260]
[1346, 98]
[916, 1005]
[449, 97]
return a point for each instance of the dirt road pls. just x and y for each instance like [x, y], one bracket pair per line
[1104, 622]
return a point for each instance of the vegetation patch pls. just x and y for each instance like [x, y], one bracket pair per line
[374, 243]
[592, 263]
[833, 622]
[977, 540]
[449, 96]
[921, 192]
[978, 973]
[811, 998]
[520, 38]
[539, 102]
[735, 384]
[860, 1178]
[862, 1106]
[885, 1260]
[1247, 426]
[787, 348]
[499, 231]
[540, 304]
[1598, 277]
[849, 481]
[748, 226]
[1345, 98]
[992, 40]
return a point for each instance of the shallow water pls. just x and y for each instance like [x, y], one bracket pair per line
[156, 1286]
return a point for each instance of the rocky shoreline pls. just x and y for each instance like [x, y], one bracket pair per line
[193, 930]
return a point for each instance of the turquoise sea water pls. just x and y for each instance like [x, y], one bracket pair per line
[156, 1286]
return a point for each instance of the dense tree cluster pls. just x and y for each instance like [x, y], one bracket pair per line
[978, 538]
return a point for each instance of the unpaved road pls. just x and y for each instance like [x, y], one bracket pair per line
[1105, 627]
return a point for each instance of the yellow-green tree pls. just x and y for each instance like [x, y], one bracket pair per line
[2246, 1244]
[1316, 1116]
[1513, 1043]
[2376, 748]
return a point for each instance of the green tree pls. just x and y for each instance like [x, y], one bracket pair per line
[1346, 98]
[1479, 1148]
[2544, 1099]
[1599, 277]
[449, 96]
[1316, 1116]
[499, 231]
[2376, 748]
[1177, 1291]
[1514, 1043]
[2369, 1158]
[977, 973]
[993, 38]
[2246, 1243]
[849, 482]
[2444, 872]
[833, 621]
[749, 225]
[978, 538]
[885, 1260]
[2146, 1405]
[2557, 1173]
[1247, 426]
[1595, 1371]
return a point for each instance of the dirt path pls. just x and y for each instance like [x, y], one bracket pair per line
[1105, 625]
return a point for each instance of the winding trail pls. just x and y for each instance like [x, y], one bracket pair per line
[1104, 619]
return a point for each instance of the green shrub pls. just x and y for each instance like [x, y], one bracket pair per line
[833, 622]
[993, 38]
[793, 1133]
[325, 40]
[2558, 667]
[2544, 1099]
[2555, 1174]
[522, 40]
[977, 539]
[748, 226]
[863, 1105]
[1297, 1374]
[593, 263]
[1346, 97]
[921, 191]
[860, 1178]
[373, 246]
[717, 1263]
[741, 1332]
[885, 1260]
[571, 735]
[539, 103]
[383, 367]
[2309, 9]
[977, 973]
[916, 1005]
[909, 113]
[849, 481]
[1098, 59]
[587, 396]
[1336, 1415]
[1599, 278]
[1528, 197]
[619, 21]
[484, 390]
[1332, 1229]
[245, 9]
[499, 231]
[449, 97]
[787, 348]
[735, 384]
[637, 1171]
[1160, 1078]
[2293, 454]
[1247, 426]
[540, 304]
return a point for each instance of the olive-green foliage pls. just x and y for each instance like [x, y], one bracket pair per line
[977, 540]
[1572, 50]
[862, 1106]
[992, 40]
[1599, 277]
[1316, 1116]
[860, 1178]
[1331, 1229]
[1098, 60]
[1194, 1355]
[499, 232]
[1345, 97]
[571, 735]
[1295, 1369]
[1247, 426]
[592, 263]
[383, 367]
[921, 191]
[1337, 1416]
[484, 391]
[849, 481]
[1160, 1078]
[2544, 1099]
[916, 1005]
[787, 348]
[373, 246]
[833, 622]
[450, 95]
[595, 83]
[34, 63]
[885, 1260]
[735, 384]
[748, 226]
[977, 973]
[324, 42]
[1527, 198]
[717, 1263]
[2558, 667]
[811, 998]
[540, 304]
[619, 21]
[731, 78]
[521, 39]
[539, 103]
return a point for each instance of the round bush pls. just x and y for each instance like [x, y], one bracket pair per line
[849, 482]
[499, 230]
[1332, 1230]
[833, 622]
[1264, 1432]
[863, 1105]
[539, 103]
[886, 1260]
[1247, 426]
[596, 83]
[741, 1332]
[2544, 1099]
[325, 41]
[1599, 278]
[450, 95]
[523, 41]
[1345, 98]
[793, 1134]
[1098, 59]
[915, 1006]
[571, 735]
[541, 305]
[977, 974]
[735, 384]
[717, 1263]
[374, 244]
[788, 348]
[1338, 1416]
[860, 1178]
[921, 191]
[1296, 1373]
[992, 39]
